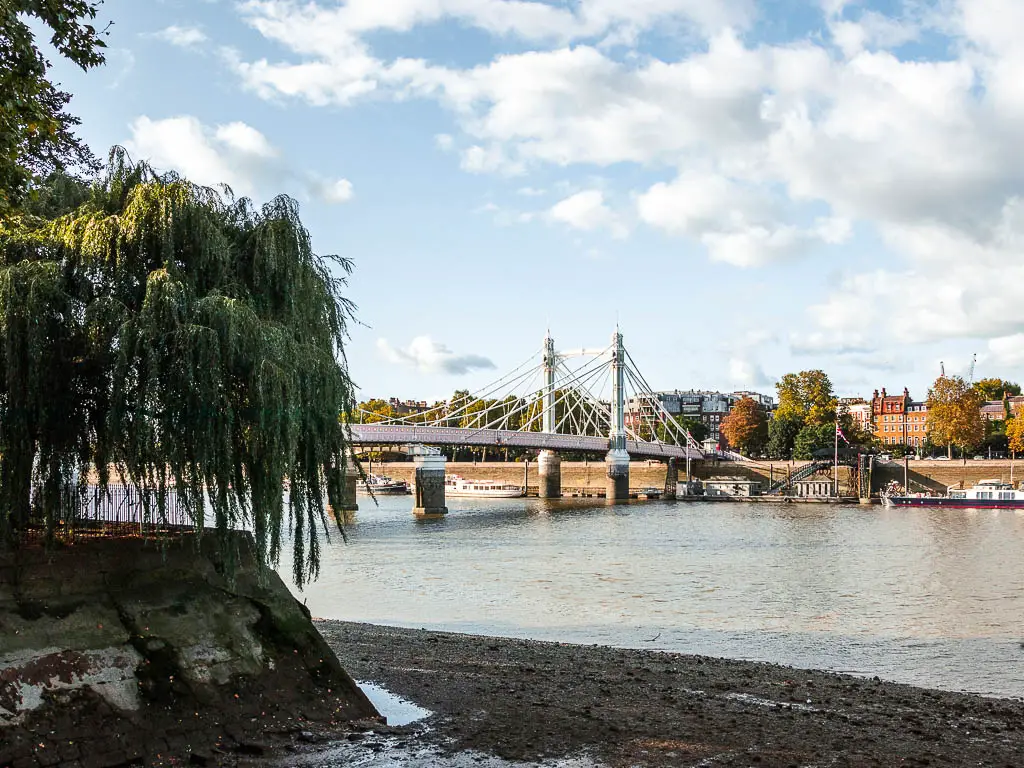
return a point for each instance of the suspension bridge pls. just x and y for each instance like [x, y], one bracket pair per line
[593, 400]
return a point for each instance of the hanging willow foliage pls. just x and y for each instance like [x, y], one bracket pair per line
[185, 338]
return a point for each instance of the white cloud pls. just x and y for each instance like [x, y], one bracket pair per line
[235, 154]
[334, 191]
[746, 373]
[738, 223]
[749, 137]
[183, 37]
[429, 356]
[1008, 350]
[587, 211]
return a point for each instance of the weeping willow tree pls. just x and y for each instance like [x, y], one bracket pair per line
[184, 338]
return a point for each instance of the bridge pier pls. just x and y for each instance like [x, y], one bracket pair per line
[671, 479]
[429, 476]
[549, 470]
[348, 489]
[616, 464]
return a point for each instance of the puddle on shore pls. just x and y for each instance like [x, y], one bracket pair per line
[396, 752]
[396, 710]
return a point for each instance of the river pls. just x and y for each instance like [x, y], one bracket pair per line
[928, 597]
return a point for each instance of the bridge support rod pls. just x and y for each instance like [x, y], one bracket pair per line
[429, 476]
[549, 469]
[617, 459]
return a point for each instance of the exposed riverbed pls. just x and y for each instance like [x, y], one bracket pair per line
[928, 597]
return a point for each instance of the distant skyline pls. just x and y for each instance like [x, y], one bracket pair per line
[748, 187]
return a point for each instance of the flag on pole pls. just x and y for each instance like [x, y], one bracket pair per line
[840, 435]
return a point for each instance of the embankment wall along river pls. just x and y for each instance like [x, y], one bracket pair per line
[928, 474]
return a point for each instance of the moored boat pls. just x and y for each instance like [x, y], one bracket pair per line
[454, 485]
[383, 485]
[986, 494]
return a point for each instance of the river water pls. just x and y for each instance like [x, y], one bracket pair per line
[929, 597]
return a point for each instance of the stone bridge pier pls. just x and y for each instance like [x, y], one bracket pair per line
[549, 469]
[616, 464]
[348, 490]
[671, 479]
[429, 478]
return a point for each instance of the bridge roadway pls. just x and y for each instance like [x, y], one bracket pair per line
[392, 434]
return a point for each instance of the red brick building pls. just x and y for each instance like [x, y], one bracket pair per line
[899, 419]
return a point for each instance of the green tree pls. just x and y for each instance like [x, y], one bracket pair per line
[746, 426]
[782, 434]
[996, 389]
[193, 342]
[812, 440]
[954, 414]
[36, 133]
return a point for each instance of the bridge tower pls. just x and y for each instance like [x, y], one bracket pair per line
[617, 459]
[429, 476]
[549, 464]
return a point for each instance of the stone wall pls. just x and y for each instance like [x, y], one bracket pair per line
[120, 650]
[931, 475]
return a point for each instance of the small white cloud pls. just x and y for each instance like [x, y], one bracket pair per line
[336, 191]
[429, 356]
[183, 37]
[747, 373]
[530, 192]
[444, 141]
[245, 139]
[587, 211]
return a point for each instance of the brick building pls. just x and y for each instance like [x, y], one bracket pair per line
[899, 419]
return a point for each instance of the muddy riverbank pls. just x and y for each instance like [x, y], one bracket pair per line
[531, 701]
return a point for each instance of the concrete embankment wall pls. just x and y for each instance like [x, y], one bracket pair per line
[923, 475]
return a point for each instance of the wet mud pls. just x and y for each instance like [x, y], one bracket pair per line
[560, 704]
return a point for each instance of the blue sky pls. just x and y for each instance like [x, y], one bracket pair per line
[748, 187]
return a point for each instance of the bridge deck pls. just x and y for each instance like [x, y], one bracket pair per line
[390, 434]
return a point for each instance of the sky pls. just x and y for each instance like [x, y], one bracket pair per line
[746, 187]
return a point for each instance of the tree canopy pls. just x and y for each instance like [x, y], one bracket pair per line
[746, 426]
[996, 389]
[806, 397]
[954, 413]
[36, 132]
[184, 337]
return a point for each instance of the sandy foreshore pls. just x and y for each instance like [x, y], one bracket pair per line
[530, 700]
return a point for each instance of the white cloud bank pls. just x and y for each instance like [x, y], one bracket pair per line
[769, 152]
[235, 154]
[429, 356]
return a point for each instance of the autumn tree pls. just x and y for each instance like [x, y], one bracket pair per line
[1015, 435]
[746, 426]
[996, 389]
[36, 132]
[374, 411]
[805, 400]
[954, 414]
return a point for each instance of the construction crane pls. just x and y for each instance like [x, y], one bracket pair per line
[942, 370]
[970, 370]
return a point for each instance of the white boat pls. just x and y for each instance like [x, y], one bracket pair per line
[383, 485]
[459, 486]
[987, 494]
